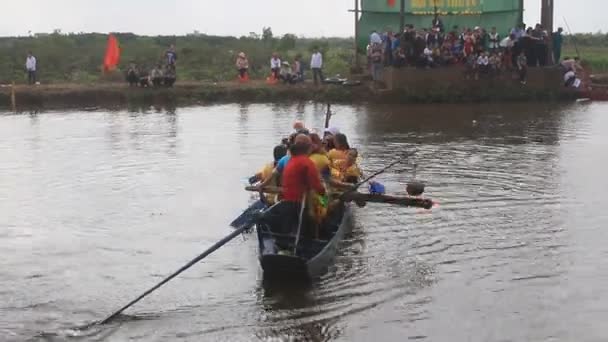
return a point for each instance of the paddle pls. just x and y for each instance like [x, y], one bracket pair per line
[247, 218]
[212, 249]
[372, 198]
[374, 175]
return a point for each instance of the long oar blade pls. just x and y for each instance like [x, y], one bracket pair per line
[247, 218]
[212, 249]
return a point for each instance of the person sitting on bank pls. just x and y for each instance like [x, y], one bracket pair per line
[242, 65]
[571, 80]
[297, 70]
[156, 76]
[483, 64]
[286, 76]
[169, 76]
[522, 67]
[144, 77]
[571, 64]
[132, 75]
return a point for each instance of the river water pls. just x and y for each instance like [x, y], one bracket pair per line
[97, 206]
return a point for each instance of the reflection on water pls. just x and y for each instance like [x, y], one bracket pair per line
[99, 205]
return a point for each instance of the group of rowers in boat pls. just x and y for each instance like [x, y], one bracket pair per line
[311, 171]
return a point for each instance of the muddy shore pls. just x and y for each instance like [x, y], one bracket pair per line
[107, 95]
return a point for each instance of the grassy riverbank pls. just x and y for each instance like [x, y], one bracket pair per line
[109, 95]
[77, 58]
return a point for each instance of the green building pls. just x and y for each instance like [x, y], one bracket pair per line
[382, 15]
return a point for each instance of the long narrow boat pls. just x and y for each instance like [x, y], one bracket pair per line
[312, 257]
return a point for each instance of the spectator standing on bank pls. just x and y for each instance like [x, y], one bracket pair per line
[30, 66]
[171, 56]
[377, 64]
[558, 40]
[316, 64]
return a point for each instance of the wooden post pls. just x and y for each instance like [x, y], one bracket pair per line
[546, 21]
[357, 62]
[13, 99]
[401, 16]
[547, 15]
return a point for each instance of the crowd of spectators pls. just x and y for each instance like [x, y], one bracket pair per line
[483, 52]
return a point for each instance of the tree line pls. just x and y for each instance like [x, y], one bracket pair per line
[78, 57]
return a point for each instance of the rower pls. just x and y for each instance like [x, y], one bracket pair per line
[350, 170]
[266, 174]
[328, 138]
[299, 177]
[341, 148]
[300, 128]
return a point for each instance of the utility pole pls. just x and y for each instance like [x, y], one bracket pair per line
[521, 12]
[546, 15]
[546, 20]
[357, 63]
[401, 16]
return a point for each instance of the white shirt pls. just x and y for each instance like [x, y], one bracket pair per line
[30, 63]
[275, 63]
[569, 75]
[375, 39]
[316, 62]
[483, 60]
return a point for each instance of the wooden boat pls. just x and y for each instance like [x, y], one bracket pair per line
[312, 257]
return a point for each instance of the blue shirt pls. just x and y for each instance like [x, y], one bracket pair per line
[396, 44]
[283, 163]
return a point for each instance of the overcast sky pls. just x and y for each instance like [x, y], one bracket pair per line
[313, 18]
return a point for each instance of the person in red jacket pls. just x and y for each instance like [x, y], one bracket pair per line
[299, 177]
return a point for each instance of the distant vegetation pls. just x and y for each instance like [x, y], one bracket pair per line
[593, 49]
[77, 57]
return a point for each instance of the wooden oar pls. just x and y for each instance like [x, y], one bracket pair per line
[247, 218]
[357, 196]
[213, 248]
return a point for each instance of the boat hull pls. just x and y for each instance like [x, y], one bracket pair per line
[278, 265]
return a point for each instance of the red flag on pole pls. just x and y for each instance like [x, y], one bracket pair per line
[112, 56]
[391, 3]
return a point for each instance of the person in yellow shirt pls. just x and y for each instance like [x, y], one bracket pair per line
[340, 151]
[267, 172]
[351, 172]
[318, 155]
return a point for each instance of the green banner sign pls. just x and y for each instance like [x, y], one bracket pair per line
[443, 7]
[446, 6]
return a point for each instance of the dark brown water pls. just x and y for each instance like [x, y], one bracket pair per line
[97, 206]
